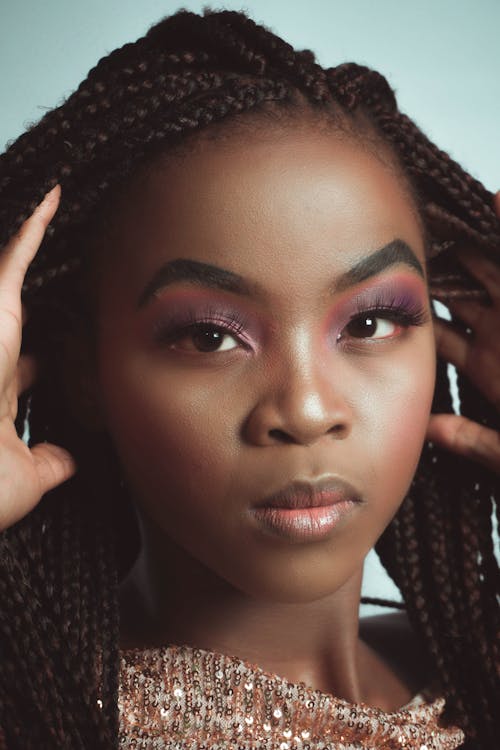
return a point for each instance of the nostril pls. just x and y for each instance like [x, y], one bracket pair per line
[289, 437]
[282, 436]
[338, 428]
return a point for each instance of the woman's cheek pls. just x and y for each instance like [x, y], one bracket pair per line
[400, 418]
[163, 427]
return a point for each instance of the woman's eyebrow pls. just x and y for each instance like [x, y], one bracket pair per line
[208, 275]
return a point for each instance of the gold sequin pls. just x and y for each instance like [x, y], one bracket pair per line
[181, 696]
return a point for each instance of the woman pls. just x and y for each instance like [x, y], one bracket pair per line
[235, 354]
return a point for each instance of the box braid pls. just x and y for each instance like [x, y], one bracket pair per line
[60, 566]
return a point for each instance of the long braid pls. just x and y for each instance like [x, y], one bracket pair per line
[60, 566]
[430, 609]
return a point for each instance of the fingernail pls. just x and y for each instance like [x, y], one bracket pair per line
[51, 195]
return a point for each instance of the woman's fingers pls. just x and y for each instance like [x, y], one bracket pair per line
[18, 253]
[15, 258]
[54, 465]
[475, 356]
[25, 474]
[470, 312]
[26, 373]
[24, 481]
[466, 438]
[451, 345]
[485, 270]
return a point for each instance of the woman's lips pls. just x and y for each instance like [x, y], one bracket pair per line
[305, 510]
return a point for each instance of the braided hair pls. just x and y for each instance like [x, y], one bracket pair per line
[60, 566]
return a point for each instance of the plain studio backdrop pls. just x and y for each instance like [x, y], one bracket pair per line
[442, 57]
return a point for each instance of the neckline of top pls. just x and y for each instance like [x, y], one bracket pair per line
[425, 696]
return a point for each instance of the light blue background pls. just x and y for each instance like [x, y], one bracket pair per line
[441, 56]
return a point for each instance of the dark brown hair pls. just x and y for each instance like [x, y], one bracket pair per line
[60, 566]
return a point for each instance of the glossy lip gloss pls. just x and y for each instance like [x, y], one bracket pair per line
[303, 524]
[306, 510]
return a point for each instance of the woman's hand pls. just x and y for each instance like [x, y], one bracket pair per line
[478, 357]
[25, 475]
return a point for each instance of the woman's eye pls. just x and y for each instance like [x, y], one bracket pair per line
[204, 337]
[371, 326]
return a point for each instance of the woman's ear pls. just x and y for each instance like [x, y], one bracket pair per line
[80, 379]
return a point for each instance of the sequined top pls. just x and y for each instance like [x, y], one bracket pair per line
[186, 698]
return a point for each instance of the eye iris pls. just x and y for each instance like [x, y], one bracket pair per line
[365, 325]
[207, 338]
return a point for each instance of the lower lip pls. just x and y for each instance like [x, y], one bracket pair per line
[303, 524]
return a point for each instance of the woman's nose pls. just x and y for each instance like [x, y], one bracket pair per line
[301, 405]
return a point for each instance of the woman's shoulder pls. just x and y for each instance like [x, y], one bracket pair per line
[392, 636]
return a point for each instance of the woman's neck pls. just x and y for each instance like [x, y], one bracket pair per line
[168, 597]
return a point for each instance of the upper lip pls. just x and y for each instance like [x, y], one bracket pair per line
[311, 493]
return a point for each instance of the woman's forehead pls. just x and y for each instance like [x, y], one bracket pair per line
[265, 202]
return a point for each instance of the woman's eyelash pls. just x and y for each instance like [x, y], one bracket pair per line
[405, 312]
[191, 321]
[399, 314]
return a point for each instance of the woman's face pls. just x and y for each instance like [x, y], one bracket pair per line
[278, 248]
